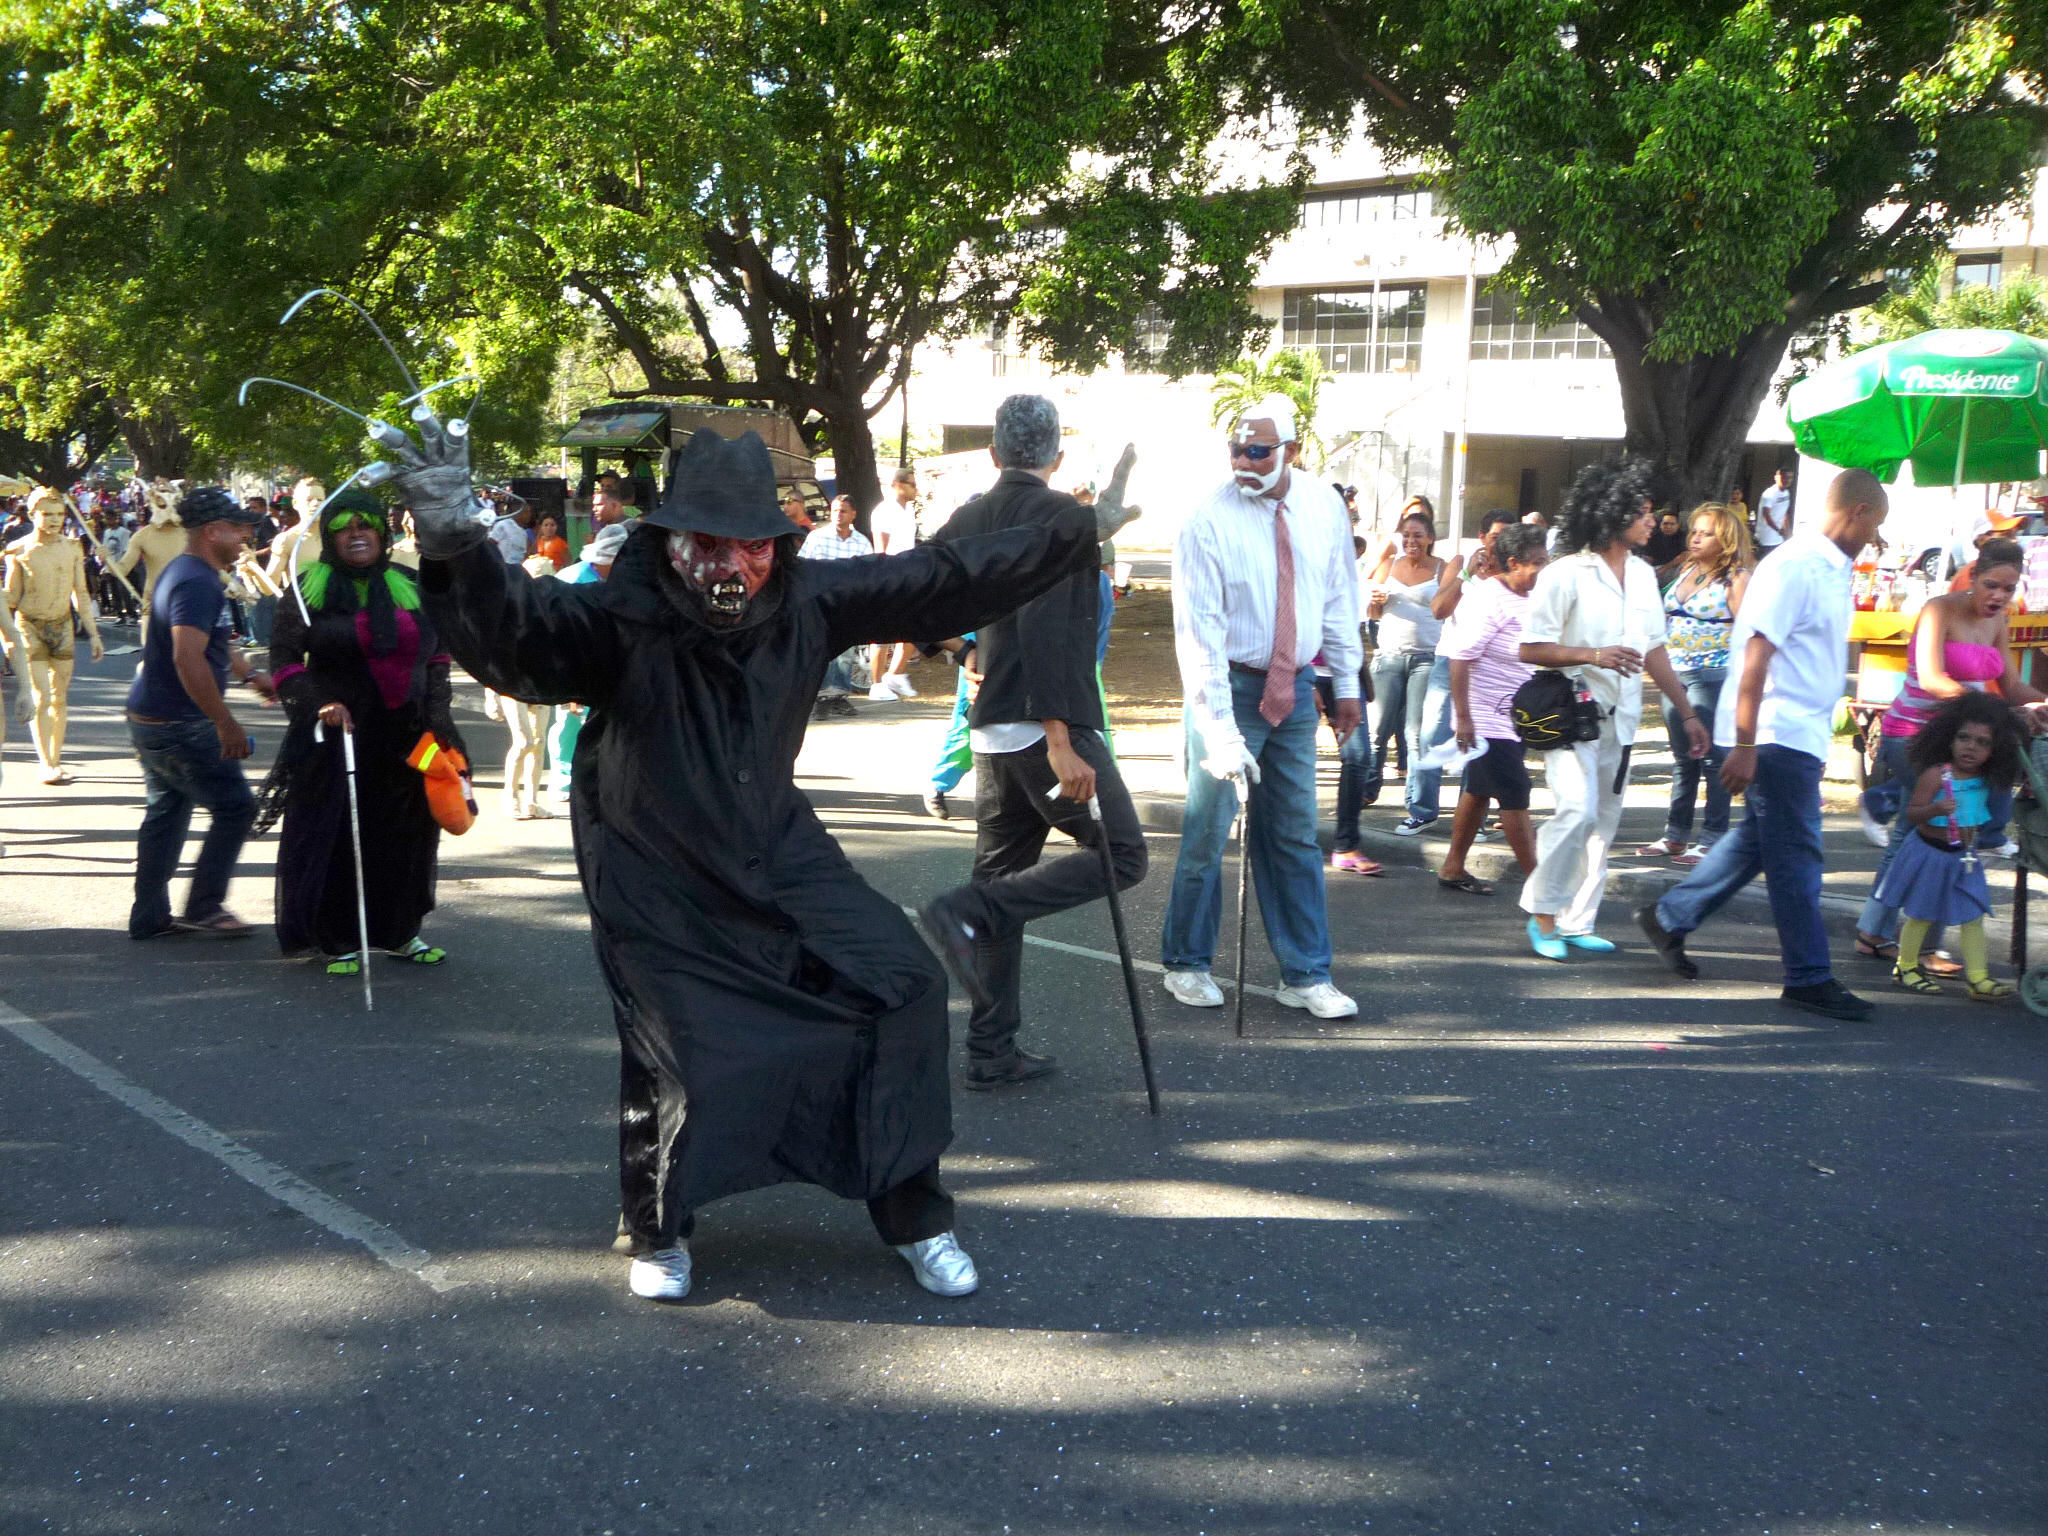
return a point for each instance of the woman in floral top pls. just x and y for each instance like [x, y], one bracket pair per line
[1699, 615]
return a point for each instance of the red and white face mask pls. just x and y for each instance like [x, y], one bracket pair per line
[726, 573]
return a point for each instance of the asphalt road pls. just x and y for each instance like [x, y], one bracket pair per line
[1524, 1248]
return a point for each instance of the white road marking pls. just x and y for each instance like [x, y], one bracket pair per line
[278, 1182]
[1252, 989]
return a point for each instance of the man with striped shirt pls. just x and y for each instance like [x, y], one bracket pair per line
[1262, 583]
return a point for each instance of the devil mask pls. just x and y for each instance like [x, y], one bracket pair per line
[726, 573]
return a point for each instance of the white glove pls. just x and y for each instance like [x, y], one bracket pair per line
[1227, 757]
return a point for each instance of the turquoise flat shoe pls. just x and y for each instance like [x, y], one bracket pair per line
[1548, 945]
[1592, 943]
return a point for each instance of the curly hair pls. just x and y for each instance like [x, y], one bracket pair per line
[1934, 744]
[1731, 536]
[1602, 502]
[1517, 542]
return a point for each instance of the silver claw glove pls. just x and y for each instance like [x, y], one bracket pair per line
[1110, 511]
[433, 479]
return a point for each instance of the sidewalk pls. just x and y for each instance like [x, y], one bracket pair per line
[895, 746]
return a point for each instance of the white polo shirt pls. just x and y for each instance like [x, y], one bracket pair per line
[1578, 601]
[1799, 600]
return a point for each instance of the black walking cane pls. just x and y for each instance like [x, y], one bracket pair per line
[1244, 880]
[1123, 948]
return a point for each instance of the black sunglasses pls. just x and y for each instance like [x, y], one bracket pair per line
[1254, 453]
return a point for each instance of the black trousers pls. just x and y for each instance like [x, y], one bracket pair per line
[1009, 886]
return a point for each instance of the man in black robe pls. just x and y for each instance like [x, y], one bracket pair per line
[778, 1018]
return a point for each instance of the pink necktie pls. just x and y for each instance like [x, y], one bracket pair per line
[1277, 702]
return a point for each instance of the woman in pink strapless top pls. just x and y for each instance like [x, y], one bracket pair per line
[1959, 645]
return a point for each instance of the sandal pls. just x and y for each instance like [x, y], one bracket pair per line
[1351, 861]
[1466, 883]
[1914, 980]
[345, 965]
[420, 952]
[1940, 965]
[1876, 949]
[222, 925]
[1990, 991]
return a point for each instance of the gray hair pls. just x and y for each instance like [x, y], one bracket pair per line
[1027, 432]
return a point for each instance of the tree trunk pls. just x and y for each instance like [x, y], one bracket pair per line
[1692, 419]
[162, 445]
[853, 459]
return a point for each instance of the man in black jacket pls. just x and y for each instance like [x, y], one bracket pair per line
[1039, 757]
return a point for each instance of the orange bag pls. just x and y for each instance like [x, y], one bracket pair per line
[448, 792]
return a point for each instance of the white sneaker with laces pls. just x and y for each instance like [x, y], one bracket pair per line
[2009, 849]
[1195, 988]
[900, 685]
[1322, 1000]
[1873, 829]
[941, 1265]
[663, 1275]
[882, 693]
[1408, 826]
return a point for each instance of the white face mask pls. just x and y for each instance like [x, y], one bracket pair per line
[1262, 484]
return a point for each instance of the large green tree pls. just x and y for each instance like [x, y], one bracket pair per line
[812, 191]
[1697, 183]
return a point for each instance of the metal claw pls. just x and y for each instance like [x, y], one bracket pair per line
[242, 397]
[368, 319]
[460, 378]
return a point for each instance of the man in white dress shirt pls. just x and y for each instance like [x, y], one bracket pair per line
[1776, 717]
[1774, 513]
[1262, 581]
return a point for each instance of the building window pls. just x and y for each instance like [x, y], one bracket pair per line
[1365, 205]
[1149, 336]
[1350, 336]
[1502, 331]
[1979, 271]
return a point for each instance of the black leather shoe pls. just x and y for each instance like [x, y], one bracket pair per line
[953, 937]
[1023, 1067]
[1670, 946]
[1830, 999]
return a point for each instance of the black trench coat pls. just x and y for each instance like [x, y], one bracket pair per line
[779, 1018]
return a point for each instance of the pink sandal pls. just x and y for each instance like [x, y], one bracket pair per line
[1351, 861]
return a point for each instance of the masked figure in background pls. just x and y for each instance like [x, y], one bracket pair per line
[778, 1018]
[46, 585]
[369, 663]
[157, 543]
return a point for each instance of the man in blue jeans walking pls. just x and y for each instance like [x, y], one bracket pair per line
[190, 743]
[1775, 718]
[1262, 581]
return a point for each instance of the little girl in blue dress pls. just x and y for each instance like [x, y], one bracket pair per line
[1936, 879]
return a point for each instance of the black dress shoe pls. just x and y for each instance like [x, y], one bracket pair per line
[1022, 1067]
[1670, 946]
[1830, 999]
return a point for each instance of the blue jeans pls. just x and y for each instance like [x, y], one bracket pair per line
[1286, 860]
[1400, 688]
[841, 674]
[1780, 839]
[182, 767]
[1425, 785]
[1702, 692]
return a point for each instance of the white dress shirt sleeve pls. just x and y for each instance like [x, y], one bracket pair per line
[1200, 627]
[1549, 605]
[1343, 652]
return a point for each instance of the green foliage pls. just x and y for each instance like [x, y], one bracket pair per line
[2019, 303]
[1294, 373]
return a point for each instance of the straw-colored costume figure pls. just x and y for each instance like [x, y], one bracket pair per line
[156, 543]
[45, 584]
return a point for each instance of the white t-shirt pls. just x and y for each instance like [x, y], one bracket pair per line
[1775, 503]
[1799, 600]
[893, 526]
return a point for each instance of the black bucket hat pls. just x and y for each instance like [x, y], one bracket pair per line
[723, 487]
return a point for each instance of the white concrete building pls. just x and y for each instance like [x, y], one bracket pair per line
[1421, 350]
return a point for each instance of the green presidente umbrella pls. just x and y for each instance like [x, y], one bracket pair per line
[1963, 407]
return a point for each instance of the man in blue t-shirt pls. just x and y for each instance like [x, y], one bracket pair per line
[190, 744]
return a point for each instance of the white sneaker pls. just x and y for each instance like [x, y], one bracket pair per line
[1322, 1000]
[1873, 829]
[941, 1266]
[1195, 988]
[2008, 849]
[662, 1276]
[882, 693]
[901, 685]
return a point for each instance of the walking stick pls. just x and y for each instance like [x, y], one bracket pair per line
[1123, 950]
[355, 834]
[1244, 880]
